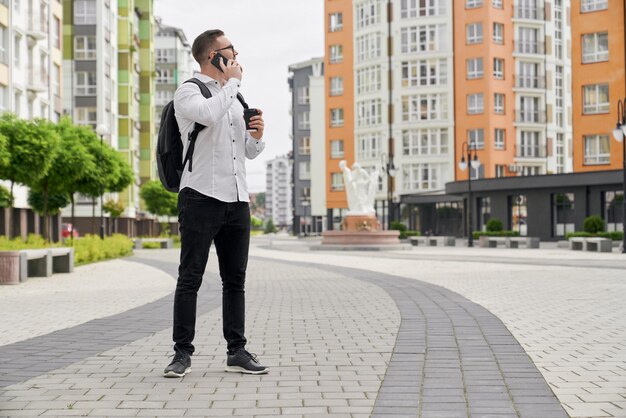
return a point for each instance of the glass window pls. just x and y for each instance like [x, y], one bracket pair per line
[86, 116]
[518, 213]
[593, 5]
[336, 182]
[84, 12]
[304, 121]
[3, 44]
[368, 13]
[596, 47]
[474, 33]
[597, 149]
[498, 103]
[476, 137]
[369, 112]
[613, 210]
[304, 145]
[335, 21]
[368, 47]
[368, 146]
[430, 72]
[484, 212]
[428, 106]
[563, 214]
[336, 54]
[336, 117]
[474, 68]
[498, 68]
[368, 80]
[426, 141]
[415, 8]
[499, 138]
[497, 4]
[498, 33]
[304, 170]
[499, 171]
[596, 98]
[85, 84]
[336, 148]
[17, 50]
[85, 47]
[472, 4]
[336, 86]
[424, 38]
[303, 95]
[475, 103]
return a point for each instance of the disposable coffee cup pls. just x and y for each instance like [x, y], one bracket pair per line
[247, 114]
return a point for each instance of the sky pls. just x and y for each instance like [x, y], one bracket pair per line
[269, 35]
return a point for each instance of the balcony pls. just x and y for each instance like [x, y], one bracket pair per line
[538, 82]
[530, 152]
[37, 82]
[529, 13]
[530, 48]
[37, 27]
[530, 116]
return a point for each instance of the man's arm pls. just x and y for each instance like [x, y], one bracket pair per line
[254, 147]
[189, 102]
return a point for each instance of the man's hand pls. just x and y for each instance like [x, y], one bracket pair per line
[232, 69]
[256, 122]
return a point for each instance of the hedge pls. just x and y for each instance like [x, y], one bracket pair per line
[615, 236]
[478, 234]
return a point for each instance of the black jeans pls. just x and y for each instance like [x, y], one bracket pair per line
[204, 220]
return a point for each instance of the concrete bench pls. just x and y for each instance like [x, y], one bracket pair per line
[485, 241]
[601, 245]
[17, 266]
[416, 241]
[165, 242]
[443, 241]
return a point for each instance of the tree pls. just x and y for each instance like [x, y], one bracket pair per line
[593, 224]
[270, 227]
[260, 200]
[46, 205]
[31, 146]
[115, 209]
[255, 222]
[158, 200]
[5, 198]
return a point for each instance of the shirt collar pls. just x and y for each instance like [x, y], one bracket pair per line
[205, 78]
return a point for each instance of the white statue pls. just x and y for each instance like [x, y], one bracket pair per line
[360, 188]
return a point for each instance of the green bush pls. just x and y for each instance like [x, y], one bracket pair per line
[615, 235]
[478, 234]
[91, 248]
[398, 226]
[494, 225]
[32, 241]
[270, 228]
[151, 245]
[593, 224]
[407, 234]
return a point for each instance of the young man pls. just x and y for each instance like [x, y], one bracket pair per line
[213, 201]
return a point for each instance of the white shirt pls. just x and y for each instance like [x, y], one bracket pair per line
[219, 156]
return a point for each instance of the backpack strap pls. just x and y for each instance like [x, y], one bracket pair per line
[193, 135]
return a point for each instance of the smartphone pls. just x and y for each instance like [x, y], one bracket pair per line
[216, 61]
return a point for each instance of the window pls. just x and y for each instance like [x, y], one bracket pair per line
[499, 171]
[165, 55]
[336, 148]
[84, 12]
[425, 38]
[597, 149]
[593, 5]
[368, 47]
[558, 103]
[498, 33]
[529, 110]
[484, 209]
[496, 4]
[336, 54]
[474, 33]
[414, 8]
[558, 29]
[335, 22]
[304, 121]
[613, 210]
[426, 141]
[596, 99]
[17, 50]
[368, 146]
[368, 80]
[476, 137]
[472, 4]
[163, 97]
[560, 153]
[304, 170]
[427, 106]
[164, 76]
[498, 68]
[519, 210]
[474, 68]
[86, 116]
[17, 103]
[336, 182]
[56, 80]
[85, 48]
[3, 103]
[336, 118]
[432, 72]
[529, 146]
[498, 103]
[85, 84]
[563, 213]
[369, 112]
[420, 176]
[336, 86]
[528, 41]
[304, 145]
[16, 6]
[528, 75]
[596, 47]
[3, 44]
[56, 33]
[499, 136]
[368, 13]
[303, 95]
[475, 103]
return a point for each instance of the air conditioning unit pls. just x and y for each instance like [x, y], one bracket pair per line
[513, 168]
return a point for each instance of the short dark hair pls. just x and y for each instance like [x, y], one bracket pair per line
[203, 44]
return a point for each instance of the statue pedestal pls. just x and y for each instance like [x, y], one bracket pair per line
[360, 223]
[360, 230]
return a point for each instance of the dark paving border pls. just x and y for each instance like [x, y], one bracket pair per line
[30, 358]
[452, 358]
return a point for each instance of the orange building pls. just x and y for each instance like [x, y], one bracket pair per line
[338, 73]
[599, 81]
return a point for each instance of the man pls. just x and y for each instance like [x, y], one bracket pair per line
[213, 201]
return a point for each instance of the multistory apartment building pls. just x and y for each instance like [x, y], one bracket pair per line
[306, 96]
[599, 68]
[278, 189]
[173, 64]
[30, 63]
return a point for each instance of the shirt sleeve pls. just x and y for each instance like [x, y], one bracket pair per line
[254, 147]
[189, 103]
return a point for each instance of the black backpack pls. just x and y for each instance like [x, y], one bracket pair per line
[170, 162]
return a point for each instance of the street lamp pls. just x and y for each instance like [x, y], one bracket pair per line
[390, 170]
[102, 130]
[305, 203]
[475, 163]
[619, 133]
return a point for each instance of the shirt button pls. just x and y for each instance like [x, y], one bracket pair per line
[234, 158]
[233, 140]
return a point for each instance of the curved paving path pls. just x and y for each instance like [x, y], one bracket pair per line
[327, 332]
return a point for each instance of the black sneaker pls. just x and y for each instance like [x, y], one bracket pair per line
[180, 366]
[243, 362]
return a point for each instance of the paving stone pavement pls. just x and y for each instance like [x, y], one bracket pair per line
[311, 323]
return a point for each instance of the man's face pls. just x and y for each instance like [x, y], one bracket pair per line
[224, 47]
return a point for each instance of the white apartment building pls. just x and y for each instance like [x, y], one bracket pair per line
[278, 191]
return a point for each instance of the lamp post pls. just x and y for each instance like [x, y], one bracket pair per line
[305, 203]
[472, 157]
[386, 163]
[102, 130]
[619, 133]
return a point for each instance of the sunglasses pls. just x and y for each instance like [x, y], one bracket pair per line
[231, 47]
